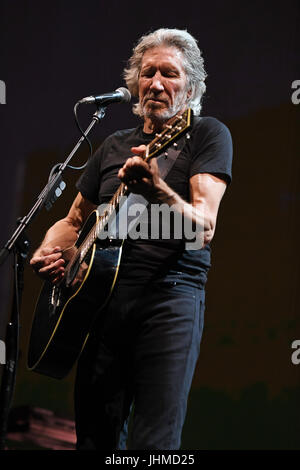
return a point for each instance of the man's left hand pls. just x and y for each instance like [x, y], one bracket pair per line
[140, 176]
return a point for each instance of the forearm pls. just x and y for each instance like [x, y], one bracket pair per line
[197, 215]
[63, 234]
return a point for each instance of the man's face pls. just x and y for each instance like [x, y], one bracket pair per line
[163, 89]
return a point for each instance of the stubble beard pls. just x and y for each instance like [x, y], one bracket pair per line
[162, 114]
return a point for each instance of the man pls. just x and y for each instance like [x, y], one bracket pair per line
[141, 353]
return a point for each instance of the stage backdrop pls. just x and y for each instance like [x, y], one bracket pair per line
[246, 388]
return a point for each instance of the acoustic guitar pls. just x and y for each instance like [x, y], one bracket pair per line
[65, 312]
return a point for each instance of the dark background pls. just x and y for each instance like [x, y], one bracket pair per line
[245, 393]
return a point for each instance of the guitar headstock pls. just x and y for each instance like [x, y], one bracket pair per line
[176, 128]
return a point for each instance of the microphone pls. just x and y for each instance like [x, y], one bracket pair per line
[120, 95]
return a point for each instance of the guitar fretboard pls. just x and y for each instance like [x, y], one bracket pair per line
[103, 220]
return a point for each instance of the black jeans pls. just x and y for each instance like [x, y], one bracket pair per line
[141, 355]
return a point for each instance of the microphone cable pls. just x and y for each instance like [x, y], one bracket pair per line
[85, 138]
[57, 166]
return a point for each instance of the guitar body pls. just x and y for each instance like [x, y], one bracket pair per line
[64, 314]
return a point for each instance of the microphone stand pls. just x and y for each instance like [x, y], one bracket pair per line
[19, 245]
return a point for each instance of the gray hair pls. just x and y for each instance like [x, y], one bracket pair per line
[193, 63]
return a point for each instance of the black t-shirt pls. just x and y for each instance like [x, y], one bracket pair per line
[208, 150]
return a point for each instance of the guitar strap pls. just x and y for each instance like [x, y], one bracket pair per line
[125, 221]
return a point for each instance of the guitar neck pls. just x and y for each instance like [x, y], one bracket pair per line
[93, 234]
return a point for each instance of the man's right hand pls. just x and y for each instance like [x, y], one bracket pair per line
[49, 261]
[49, 264]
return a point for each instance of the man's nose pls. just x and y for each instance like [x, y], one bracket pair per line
[157, 84]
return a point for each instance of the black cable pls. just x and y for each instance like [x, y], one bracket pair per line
[53, 170]
[85, 138]
[57, 165]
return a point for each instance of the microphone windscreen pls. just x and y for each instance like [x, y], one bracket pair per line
[126, 94]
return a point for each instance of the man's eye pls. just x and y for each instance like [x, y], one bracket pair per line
[171, 74]
[147, 74]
